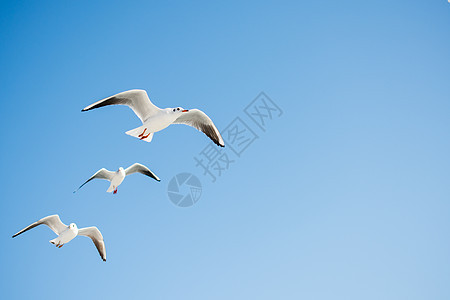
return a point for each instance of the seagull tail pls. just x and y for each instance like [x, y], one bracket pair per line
[141, 133]
[110, 189]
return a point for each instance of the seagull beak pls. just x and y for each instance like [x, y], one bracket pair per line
[186, 110]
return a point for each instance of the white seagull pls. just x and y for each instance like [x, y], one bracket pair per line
[67, 233]
[117, 177]
[155, 119]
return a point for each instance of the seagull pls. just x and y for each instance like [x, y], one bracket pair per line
[67, 233]
[117, 177]
[155, 119]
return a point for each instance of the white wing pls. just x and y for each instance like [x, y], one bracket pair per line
[199, 120]
[101, 174]
[53, 222]
[137, 100]
[138, 168]
[96, 237]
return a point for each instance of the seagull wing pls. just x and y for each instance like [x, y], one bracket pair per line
[199, 120]
[138, 168]
[137, 100]
[96, 237]
[101, 174]
[53, 222]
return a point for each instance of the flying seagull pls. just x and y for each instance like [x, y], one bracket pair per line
[155, 119]
[67, 233]
[117, 177]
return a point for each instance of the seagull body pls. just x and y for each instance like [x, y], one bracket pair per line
[117, 177]
[66, 236]
[67, 233]
[116, 180]
[155, 119]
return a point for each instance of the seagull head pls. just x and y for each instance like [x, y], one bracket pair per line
[120, 169]
[178, 110]
[73, 226]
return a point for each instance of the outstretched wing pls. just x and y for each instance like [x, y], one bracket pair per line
[101, 174]
[53, 222]
[199, 120]
[138, 168]
[96, 237]
[137, 100]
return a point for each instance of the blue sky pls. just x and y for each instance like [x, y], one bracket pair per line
[345, 196]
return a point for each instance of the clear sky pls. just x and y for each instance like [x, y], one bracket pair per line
[343, 196]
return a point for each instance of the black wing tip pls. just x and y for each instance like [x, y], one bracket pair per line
[218, 144]
[89, 108]
[104, 259]
[151, 175]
